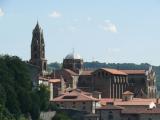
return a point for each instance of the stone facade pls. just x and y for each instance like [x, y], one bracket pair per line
[76, 100]
[110, 82]
[111, 112]
[38, 50]
[142, 83]
[73, 62]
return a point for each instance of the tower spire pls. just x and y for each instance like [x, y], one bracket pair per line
[38, 49]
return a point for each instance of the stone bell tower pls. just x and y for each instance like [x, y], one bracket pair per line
[38, 49]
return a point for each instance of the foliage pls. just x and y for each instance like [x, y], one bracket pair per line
[44, 97]
[18, 100]
[61, 116]
[54, 66]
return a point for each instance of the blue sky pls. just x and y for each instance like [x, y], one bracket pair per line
[119, 31]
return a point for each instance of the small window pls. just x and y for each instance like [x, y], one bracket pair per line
[35, 56]
[110, 115]
[83, 107]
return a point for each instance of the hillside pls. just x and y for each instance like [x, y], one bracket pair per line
[96, 65]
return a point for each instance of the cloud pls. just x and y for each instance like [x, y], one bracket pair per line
[55, 14]
[1, 12]
[109, 26]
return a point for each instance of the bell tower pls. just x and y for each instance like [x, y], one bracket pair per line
[38, 49]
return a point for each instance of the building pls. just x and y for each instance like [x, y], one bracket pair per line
[73, 62]
[77, 100]
[112, 112]
[129, 108]
[38, 50]
[142, 83]
[110, 82]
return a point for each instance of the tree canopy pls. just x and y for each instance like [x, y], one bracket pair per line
[18, 100]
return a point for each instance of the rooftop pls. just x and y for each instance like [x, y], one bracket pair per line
[127, 93]
[132, 72]
[141, 111]
[74, 96]
[133, 102]
[114, 71]
[110, 107]
[73, 56]
[87, 72]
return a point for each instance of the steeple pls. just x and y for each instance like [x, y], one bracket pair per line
[37, 26]
[38, 49]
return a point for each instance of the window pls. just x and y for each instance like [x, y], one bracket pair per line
[110, 115]
[61, 102]
[35, 55]
[83, 107]
[149, 119]
[129, 119]
[84, 103]
[35, 48]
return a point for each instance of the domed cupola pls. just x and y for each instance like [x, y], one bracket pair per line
[73, 62]
[73, 56]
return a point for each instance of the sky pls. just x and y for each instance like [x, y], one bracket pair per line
[111, 31]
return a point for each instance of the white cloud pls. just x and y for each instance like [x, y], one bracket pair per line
[109, 26]
[55, 14]
[1, 12]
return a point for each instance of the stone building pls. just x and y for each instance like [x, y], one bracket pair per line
[73, 62]
[110, 82]
[77, 100]
[112, 112]
[38, 50]
[142, 83]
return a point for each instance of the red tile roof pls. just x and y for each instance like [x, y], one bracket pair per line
[73, 96]
[87, 72]
[71, 72]
[55, 80]
[141, 111]
[132, 72]
[127, 93]
[114, 71]
[44, 79]
[134, 101]
[110, 107]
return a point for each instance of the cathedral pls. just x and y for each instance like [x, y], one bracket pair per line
[110, 83]
[38, 50]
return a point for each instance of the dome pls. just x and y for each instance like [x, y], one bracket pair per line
[73, 56]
